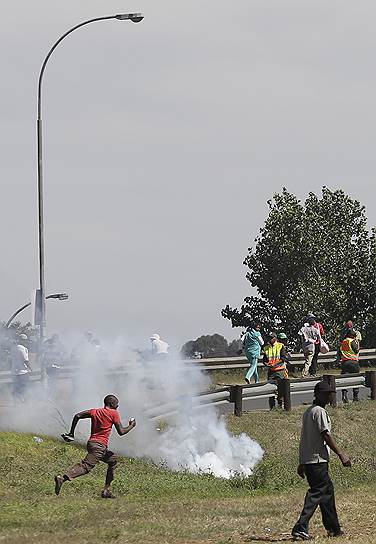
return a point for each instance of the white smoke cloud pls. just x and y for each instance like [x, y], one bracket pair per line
[185, 437]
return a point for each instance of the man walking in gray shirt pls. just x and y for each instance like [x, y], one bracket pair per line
[315, 442]
[309, 336]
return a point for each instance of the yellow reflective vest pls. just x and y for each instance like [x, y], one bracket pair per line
[273, 354]
[348, 354]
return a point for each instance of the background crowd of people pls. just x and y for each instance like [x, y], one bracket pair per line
[275, 351]
[22, 356]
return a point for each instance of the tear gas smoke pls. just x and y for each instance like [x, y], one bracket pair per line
[184, 437]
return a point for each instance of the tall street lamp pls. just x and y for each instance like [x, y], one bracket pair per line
[135, 18]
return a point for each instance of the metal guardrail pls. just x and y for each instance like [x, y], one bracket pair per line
[236, 394]
[217, 363]
[296, 359]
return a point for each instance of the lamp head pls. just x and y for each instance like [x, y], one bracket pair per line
[134, 17]
[59, 296]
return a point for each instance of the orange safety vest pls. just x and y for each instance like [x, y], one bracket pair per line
[348, 354]
[273, 353]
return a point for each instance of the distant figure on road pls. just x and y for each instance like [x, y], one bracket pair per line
[350, 361]
[252, 343]
[102, 420]
[54, 355]
[348, 325]
[315, 442]
[275, 360]
[312, 321]
[20, 367]
[309, 335]
[159, 348]
[282, 337]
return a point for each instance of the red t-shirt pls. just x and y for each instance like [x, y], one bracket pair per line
[102, 420]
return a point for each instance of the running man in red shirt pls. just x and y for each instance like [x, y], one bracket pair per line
[102, 420]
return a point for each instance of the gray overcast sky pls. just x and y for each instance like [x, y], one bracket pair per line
[163, 142]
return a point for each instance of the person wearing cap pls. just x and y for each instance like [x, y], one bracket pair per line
[275, 361]
[282, 337]
[159, 348]
[310, 338]
[350, 361]
[20, 367]
[345, 329]
[315, 444]
[252, 343]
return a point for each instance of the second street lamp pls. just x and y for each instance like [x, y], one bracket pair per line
[135, 18]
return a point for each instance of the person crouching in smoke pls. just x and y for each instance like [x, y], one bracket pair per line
[102, 420]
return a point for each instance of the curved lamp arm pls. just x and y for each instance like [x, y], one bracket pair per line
[60, 296]
[53, 49]
[134, 17]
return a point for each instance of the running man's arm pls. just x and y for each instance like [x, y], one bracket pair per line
[124, 430]
[329, 440]
[81, 415]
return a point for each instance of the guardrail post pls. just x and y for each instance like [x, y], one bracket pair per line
[371, 382]
[331, 380]
[236, 396]
[286, 394]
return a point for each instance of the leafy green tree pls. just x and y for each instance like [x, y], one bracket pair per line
[316, 256]
[235, 348]
[210, 345]
[370, 318]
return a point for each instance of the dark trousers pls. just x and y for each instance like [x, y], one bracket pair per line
[350, 367]
[95, 452]
[320, 493]
[313, 367]
[276, 377]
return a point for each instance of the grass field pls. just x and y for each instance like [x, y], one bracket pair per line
[159, 506]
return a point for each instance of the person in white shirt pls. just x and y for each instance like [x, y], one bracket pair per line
[159, 348]
[309, 336]
[20, 367]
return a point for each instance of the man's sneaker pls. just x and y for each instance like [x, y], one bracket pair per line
[301, 535]
[59, 480]
[336, 533]
[67, 437]
[107, 495]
